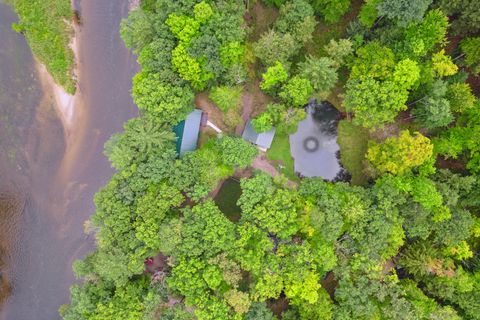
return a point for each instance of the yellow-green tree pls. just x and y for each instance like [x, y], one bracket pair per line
[398, 155]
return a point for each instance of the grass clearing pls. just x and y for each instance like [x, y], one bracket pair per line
[46, 26]
[353, 142]
[280, 152]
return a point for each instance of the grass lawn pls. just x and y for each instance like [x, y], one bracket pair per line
[353, 146]
[280, 151]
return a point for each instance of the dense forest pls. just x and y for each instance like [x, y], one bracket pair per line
[398, 237]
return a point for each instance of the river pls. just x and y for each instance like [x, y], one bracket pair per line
[49, 175]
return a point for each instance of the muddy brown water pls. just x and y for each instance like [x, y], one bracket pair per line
[48, 179]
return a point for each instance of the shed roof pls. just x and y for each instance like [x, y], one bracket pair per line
[263, 139]
[187, 132]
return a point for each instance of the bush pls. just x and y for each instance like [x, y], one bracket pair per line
[226, 98]
[43, 22]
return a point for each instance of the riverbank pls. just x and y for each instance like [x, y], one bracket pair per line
[62, 176]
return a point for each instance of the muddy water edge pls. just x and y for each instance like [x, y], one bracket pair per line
[49, 174]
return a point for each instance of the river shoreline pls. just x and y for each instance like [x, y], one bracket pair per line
[65, 161]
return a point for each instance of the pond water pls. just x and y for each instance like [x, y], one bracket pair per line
[314, 146]
[226, 199]
[48, 177]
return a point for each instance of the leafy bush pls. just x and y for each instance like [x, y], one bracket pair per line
[226, 98]
[45, 24]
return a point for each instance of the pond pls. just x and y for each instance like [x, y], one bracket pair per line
[314, 146]
[227, 198]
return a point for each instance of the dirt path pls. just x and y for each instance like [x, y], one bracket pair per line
[261, 163]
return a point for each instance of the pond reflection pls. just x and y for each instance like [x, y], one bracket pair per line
[314, 146]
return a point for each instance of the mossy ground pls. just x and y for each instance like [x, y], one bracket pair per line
[353, 142]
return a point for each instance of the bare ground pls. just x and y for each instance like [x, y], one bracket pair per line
[215, 115]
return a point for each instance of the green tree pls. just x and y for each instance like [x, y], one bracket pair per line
[259, 311]
[236, 152]
[273, 47]
[403, 12]
[471, 48]
[202, 12]
[399, 154]
[136, 30]
[263, 122]
[274, 77]
[140, 139]
[163, 102]
[466, 14]
[226, 98]
[421, 38]
[331, 10]
[374, 103]
[369, 13]
[206, 231]
[339, 51]
[296, 18]
[296, 91]
[433, 113]
[460, 97]
[443, 65]
[321, 72]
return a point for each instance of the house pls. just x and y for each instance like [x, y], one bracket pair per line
[263, 140]
[187, 132]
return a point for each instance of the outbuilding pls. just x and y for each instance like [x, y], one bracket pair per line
[187, 132]
[263, 140]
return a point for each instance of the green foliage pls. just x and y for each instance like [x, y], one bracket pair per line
[189, 68]
[231, 53]
[296, 17]
[321, 72]
[162, 102]
[274, 77]
[141, 139]
[202, 12]
[432, 113]
[466, 14]
[339, 51]
[403, 12]
[273, 47]
[421, 38]
[471, 48]
[296, 91]
[226, 98]
[263, 122]
[399, 154]
[378, 87]
[443, 65]
[369, 13]
[136, 30]
[236, 152]
[292, 237]
[373, 102]
[373, 59]
[331, 10]
[460, 97]
[45, 25]
[292, 29]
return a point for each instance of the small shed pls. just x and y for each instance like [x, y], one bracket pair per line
[187, 132]
[263, 140]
